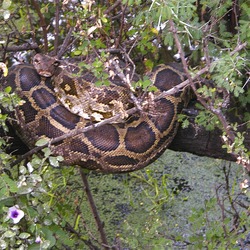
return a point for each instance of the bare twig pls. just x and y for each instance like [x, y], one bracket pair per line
[23, 47]
[222, 208]
[230, 199]
[57, 17]
[118, 40]
[112, 7]
[98, 221]
[205, 45]
[227, 128]
[238, 48]
[66, 42]
[127, 82]
[42, 23]
[131, 62]
[179, 47]
[5, 47]
[88, 230]
[110, 50]
[182, 85]
[88, 243]
[30, 21]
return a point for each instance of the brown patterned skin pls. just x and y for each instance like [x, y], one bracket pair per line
[119, 147]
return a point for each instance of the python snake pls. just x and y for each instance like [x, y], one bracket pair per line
[51, 93]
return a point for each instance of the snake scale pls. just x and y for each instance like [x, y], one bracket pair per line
[51, 93]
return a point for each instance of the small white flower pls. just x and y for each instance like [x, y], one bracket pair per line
[244, 185]
[38, 239]
[15, 214]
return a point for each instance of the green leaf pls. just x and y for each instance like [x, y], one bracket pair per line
[54, 161]
[77, 52]
[9, 234]
[104, 19]
[24, 235]
[152, 88]
[50, 239]
[10, 183]
[6, 4]
[59, 158]
[3, 244]
[46, 244]
[47, 152]
[41, 142]
[23, 170]
[36, 177]
[7, 90]
[168, 13]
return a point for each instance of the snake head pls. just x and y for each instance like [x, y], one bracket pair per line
[45, 65]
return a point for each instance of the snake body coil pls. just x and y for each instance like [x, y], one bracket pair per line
[127, 145]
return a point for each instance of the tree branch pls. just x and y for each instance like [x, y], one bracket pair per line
[98, 221]
[57, 17]
[42, 23]
[65, 44]
[217, 112]
[30, 21]
[112, 7]
[23, 47]
[122, 19]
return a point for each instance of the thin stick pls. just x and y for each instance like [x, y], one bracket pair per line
[112, 7]
[42, 23]
[30, 21]
[57, 19]
[98, 221]
[66, 43]
[88, 243]
[23, 47]
[119, 39]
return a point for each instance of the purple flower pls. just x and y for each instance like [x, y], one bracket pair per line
[38, 239]
[15, 214]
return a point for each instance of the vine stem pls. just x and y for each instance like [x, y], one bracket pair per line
[95, 213]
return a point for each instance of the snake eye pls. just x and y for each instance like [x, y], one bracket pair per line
[56, 63]
[36, 61]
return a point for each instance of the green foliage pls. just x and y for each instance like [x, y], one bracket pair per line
[145, 84]
[34, 191]
[244, 25]
[227, 73]
[4, 10]
[206, 119]
[97, 68]
[211, 233]
[9, 101]
[155, 190]
[183, 119]
[139, 209]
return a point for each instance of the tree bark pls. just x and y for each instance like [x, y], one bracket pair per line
[201, 142]
[197, 140]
